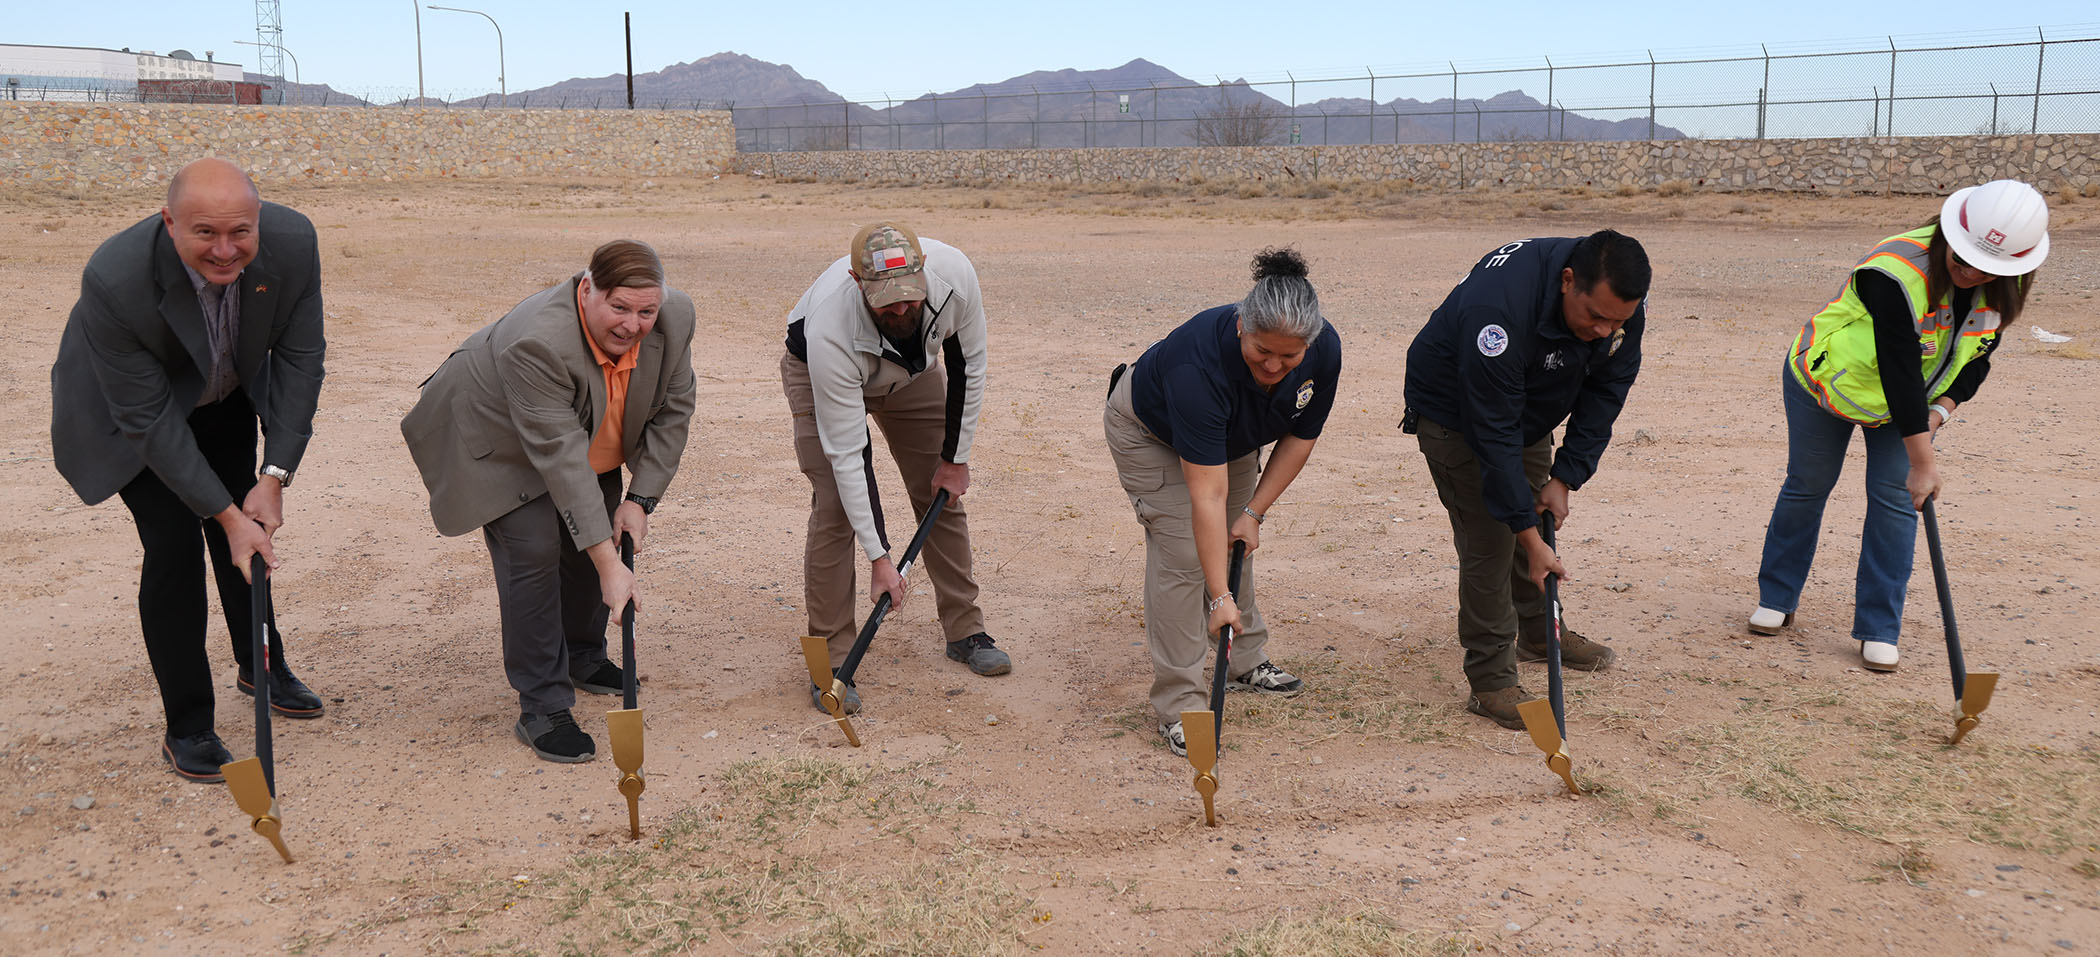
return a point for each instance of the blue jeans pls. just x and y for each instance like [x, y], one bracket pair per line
[1815, 454]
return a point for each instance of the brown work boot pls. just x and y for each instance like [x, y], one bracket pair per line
[1500, 705]
[1576, 651]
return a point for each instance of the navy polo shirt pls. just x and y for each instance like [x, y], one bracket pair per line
[1194, 391]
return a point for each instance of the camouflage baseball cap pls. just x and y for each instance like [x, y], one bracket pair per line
[889, 265]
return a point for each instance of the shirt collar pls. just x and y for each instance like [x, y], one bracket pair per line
[198, 282]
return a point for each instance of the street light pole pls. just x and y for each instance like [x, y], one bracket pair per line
[502, 87]
[279, 47]
[418, 11]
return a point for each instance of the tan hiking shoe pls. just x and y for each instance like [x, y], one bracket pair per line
[1576, 651]
[1500, 705]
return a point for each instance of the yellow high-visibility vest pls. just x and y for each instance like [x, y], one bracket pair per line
[1833, 356]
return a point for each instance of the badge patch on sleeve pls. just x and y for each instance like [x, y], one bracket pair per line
[1305, 394]
[1492, 340]
[1617, 339]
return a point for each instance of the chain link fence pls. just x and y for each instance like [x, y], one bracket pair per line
[2042, 84]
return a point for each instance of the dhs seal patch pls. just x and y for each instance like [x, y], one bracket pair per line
[1492, 340]
[1305, 394]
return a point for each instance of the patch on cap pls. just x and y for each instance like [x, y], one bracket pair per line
[889, 265]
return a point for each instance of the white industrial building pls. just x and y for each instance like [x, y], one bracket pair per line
[29, 72]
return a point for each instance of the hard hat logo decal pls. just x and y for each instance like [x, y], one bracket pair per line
[1994, 237]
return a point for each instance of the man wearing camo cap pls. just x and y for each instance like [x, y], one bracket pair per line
[862, 342]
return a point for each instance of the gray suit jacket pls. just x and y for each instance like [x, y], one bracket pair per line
[131, 363]
[511, 413]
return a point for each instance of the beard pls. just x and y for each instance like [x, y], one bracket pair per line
[899, 327]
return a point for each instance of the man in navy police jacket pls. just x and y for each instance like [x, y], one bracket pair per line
[1540, 332]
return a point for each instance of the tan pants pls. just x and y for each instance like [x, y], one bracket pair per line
[914, 423]
[1150, 471]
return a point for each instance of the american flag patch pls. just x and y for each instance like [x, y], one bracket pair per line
[884, 260]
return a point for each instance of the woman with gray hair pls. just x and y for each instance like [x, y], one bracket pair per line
[1185, 427]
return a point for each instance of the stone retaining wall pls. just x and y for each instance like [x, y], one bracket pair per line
[104, 146]
[1858, 164]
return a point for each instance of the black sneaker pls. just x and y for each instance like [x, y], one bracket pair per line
[606, 678]
[851, 705]
[196, 757]
[555, 737]
[977, 652]
[1266, 678]
[288, 695]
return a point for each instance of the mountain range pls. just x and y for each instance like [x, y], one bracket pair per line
[1137, 104]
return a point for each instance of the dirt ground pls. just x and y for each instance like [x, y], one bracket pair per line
[1754, 795]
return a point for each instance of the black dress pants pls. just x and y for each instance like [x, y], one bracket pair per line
[171, 577]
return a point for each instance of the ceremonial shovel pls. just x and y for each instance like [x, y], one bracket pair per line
[816, 651]
[1972, 693]
[1202, 730]
[626, 724]
[1547, 719]
[253, 781]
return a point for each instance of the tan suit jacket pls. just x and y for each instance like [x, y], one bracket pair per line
[511, 413]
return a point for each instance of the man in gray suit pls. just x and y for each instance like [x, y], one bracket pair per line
[522, 432]
[192, 325]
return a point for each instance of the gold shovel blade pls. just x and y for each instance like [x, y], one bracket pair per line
[1199, 734]
[626, 728]
[1976, 693]
[1545, 733]
[245, 779]
[816, 654]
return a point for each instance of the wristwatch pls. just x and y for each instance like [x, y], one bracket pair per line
[648, 504]
[283, 476]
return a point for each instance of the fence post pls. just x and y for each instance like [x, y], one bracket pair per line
[1994, 109]
[1454, 108]
[2041, 49]
[1764, 90]
[984, 114]
[1651, 96]
[1035, 140]
[1892, 87]
[1549, 98]
[1476, 123]
[1371, 115]
[1093, 113]
[940, 130]
[1875, 128]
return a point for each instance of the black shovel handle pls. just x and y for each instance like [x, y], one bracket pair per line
[846, 668]
[627, 625]
[1553, 676]
[1955, 664]
[260, 612]
[1217, 677]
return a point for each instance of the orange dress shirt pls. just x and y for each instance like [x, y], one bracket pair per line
[608, 448]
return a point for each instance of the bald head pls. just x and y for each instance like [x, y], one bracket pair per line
[214, 217]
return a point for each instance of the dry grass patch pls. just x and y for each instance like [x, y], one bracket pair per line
[1881, 769]
[798, 856]
[1363, 933]
[1342, 699]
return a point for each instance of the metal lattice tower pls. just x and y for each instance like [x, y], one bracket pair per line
[269, 39]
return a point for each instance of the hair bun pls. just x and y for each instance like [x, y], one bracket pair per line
[1279, 261]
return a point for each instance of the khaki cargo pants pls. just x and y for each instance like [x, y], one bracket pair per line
[1150, 471]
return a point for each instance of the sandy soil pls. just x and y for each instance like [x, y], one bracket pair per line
[1755, 795]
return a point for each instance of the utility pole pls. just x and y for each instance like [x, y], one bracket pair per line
[628, 18]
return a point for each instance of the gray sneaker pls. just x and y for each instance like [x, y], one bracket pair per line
[851, 705]
[1266, 678]
[977, 652]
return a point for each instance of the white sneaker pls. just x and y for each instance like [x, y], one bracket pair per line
[1765, 621]
[1175, 742]
[1878, 655]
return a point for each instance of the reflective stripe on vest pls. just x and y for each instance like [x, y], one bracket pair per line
[1833, 355]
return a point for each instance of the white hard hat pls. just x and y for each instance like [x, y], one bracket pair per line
[2000, 227]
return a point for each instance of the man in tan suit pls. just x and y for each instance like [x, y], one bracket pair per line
[522, 432]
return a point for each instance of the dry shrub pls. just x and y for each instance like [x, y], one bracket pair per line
[1626, 189]
[1674, 187]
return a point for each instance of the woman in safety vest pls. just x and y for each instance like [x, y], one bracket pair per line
[1185, 428]
[1906, 341]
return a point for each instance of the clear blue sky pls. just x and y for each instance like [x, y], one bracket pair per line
[370, 47]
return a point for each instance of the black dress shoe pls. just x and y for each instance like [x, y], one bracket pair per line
[196, 757]
[288, 695]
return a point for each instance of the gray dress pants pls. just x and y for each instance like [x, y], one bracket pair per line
[547, 591]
